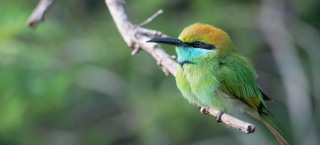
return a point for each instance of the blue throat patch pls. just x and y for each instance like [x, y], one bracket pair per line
[188, 54]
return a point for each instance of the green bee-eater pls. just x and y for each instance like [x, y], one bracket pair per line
[213, 74]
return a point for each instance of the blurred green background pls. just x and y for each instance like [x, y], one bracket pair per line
[72, 80]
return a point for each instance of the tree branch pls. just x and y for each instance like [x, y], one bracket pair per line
[136, 38]
[151, 18]
[39, 12]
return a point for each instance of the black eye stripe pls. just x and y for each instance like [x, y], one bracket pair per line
[201, 45]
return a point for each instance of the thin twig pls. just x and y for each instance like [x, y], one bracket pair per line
[39, 12]
[136, 38]
[159, 12]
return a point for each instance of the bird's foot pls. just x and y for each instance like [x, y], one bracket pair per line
[218, 117]
[204, 110]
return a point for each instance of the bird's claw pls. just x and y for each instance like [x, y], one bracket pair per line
[218, 117]
[204, 110]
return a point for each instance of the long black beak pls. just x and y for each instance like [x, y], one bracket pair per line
[170, 41]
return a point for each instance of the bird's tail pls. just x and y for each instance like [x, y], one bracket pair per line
[266, 120]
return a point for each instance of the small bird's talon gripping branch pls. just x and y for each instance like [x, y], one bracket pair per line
[204, 110]
[218, 117]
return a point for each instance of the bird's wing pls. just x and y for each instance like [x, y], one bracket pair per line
[237, 79]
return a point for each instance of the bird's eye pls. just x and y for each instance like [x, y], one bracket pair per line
[201, 45]
[197, 43]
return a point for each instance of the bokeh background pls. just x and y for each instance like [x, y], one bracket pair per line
[72, 80]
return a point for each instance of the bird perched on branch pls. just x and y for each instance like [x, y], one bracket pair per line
[213, 74]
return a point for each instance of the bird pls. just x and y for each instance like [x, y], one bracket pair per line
[212, 73]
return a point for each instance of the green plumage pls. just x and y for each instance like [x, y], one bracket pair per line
[207, 83]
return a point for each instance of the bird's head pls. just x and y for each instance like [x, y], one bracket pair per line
[198, 41]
